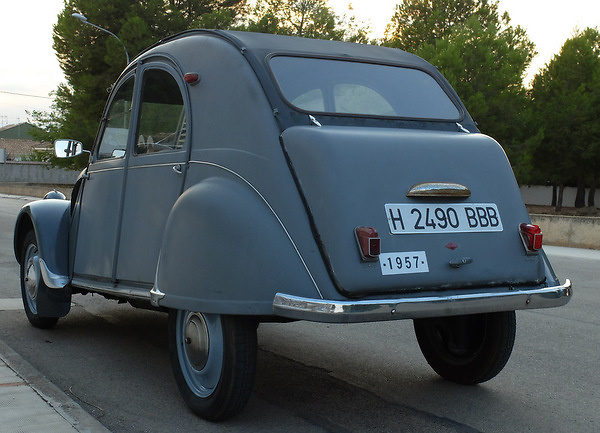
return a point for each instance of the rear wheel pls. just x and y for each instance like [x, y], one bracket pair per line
[43, 306]
[467, 349]
[214, 360]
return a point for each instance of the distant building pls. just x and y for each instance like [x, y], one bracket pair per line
[19, 131]
[17, 141]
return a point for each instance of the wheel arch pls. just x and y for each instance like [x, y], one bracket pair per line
[49, 219]
[226, 251]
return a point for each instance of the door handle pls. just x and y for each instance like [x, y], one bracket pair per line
[177, 169]
[461, 261]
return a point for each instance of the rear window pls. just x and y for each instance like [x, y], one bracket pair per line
[346, 87]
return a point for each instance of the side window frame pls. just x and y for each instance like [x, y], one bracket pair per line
[132, 116]
[452, 110]
[147, 68]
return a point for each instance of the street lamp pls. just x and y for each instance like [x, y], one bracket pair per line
[84, 20]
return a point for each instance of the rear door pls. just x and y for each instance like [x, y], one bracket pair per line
[155, 174]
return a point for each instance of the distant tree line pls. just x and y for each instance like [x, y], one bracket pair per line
[565, 105]
[550, 131]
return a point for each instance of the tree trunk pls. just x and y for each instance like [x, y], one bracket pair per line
[592, 193]
[559, 200]
[554, 193]
[580, 197]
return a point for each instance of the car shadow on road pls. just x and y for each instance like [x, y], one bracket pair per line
[115, 364]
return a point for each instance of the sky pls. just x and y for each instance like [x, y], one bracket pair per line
[29, 71]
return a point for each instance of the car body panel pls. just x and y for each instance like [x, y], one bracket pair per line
[218, 262]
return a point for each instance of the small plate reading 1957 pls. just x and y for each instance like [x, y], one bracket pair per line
[410, 262]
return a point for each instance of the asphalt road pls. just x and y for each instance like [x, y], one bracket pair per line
[113, 360]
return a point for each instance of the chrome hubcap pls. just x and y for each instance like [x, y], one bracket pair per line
[31, 276]
[196, 341]
[200, 350]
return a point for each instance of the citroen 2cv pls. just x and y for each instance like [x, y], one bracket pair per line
[239, 178]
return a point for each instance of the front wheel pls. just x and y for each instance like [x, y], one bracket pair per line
[43, 306]
[467, 349]
[214, 360]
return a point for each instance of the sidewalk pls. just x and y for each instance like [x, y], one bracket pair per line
[31, 403]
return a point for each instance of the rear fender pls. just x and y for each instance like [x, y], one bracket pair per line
[50, 219]
[226, 251]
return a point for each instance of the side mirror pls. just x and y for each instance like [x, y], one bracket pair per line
[67, 148]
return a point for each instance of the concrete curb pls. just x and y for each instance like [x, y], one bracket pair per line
[56, 399]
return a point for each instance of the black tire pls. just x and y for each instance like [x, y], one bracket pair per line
[467, 349]
[38, 299]
[214, 361]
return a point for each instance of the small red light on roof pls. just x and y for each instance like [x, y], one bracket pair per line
[191, 77]
[531, 235]
[369, 243]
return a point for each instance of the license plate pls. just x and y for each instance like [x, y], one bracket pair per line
[443, 218]
[411, 262]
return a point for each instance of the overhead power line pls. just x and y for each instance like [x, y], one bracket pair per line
[24, 94]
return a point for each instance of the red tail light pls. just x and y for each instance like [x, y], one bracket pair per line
[531, 235]
[369, 243]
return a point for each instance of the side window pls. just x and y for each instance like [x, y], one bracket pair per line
[162, 124]
[114, 138]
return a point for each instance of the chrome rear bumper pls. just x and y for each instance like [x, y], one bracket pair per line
[414, 306]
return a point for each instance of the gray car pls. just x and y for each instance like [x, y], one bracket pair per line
[239, 178]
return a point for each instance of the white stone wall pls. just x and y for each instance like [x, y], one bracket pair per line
[33, 172]
[542, 195]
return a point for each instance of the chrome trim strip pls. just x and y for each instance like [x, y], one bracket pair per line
[110, 289]
[415, 306]
[212, 164]
[156, 296]
[52, 280]
[462, 128]
[162, 164]
[102, 170]
[438, 189]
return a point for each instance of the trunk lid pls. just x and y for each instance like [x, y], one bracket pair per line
[361, 177]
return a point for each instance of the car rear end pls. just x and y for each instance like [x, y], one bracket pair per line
[416, 213]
